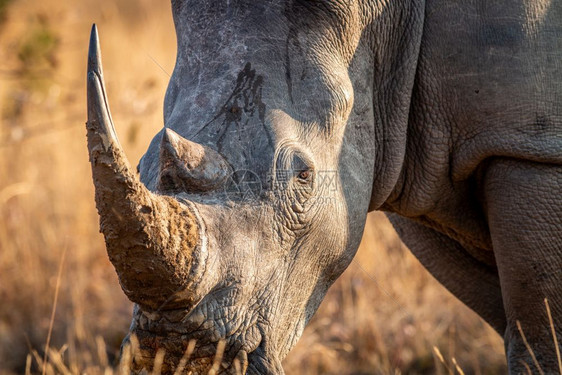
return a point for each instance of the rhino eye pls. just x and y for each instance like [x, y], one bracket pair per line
[304, 176]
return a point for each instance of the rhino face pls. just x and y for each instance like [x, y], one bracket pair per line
[242, 218]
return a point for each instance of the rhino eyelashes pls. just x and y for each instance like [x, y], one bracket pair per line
[186, 166]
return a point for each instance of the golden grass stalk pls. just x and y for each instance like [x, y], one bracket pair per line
[53, 311]
[28, 361]
[185, 358]
[58, 362]
[129, 352]
[553, 335]
[102, 354]
[218, 358]
[457, 367]
[529, 372]
[438, 354]
[529, 349]
[158, 360]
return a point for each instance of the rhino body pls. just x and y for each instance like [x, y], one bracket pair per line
[287, 121]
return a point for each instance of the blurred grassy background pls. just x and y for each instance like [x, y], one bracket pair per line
[384, 315]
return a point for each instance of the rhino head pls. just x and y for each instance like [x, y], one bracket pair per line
[252, 199]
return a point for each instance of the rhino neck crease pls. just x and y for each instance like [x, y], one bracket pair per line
[396, 50]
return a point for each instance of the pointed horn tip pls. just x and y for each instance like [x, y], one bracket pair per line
[99, 115]
[169, 134]
[170, 137]
[94, 52]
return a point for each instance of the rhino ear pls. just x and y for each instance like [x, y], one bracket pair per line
[187, 166]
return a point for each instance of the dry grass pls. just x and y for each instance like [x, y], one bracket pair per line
[385, 315]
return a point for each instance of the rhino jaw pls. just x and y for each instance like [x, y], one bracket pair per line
[155, 243]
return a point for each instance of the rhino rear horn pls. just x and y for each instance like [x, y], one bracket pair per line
[154, 242]
[186, 166]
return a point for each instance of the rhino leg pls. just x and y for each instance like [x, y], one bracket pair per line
[473, 282]
[524, 210]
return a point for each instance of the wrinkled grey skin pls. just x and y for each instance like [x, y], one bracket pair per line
[447, 115]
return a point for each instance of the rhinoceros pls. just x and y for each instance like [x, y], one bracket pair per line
[287, 121]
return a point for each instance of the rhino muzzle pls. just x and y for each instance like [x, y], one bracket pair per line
[156, 243]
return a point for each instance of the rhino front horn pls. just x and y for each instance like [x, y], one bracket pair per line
[154, 242]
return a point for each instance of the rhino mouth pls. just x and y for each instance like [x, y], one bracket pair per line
[193, 340]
